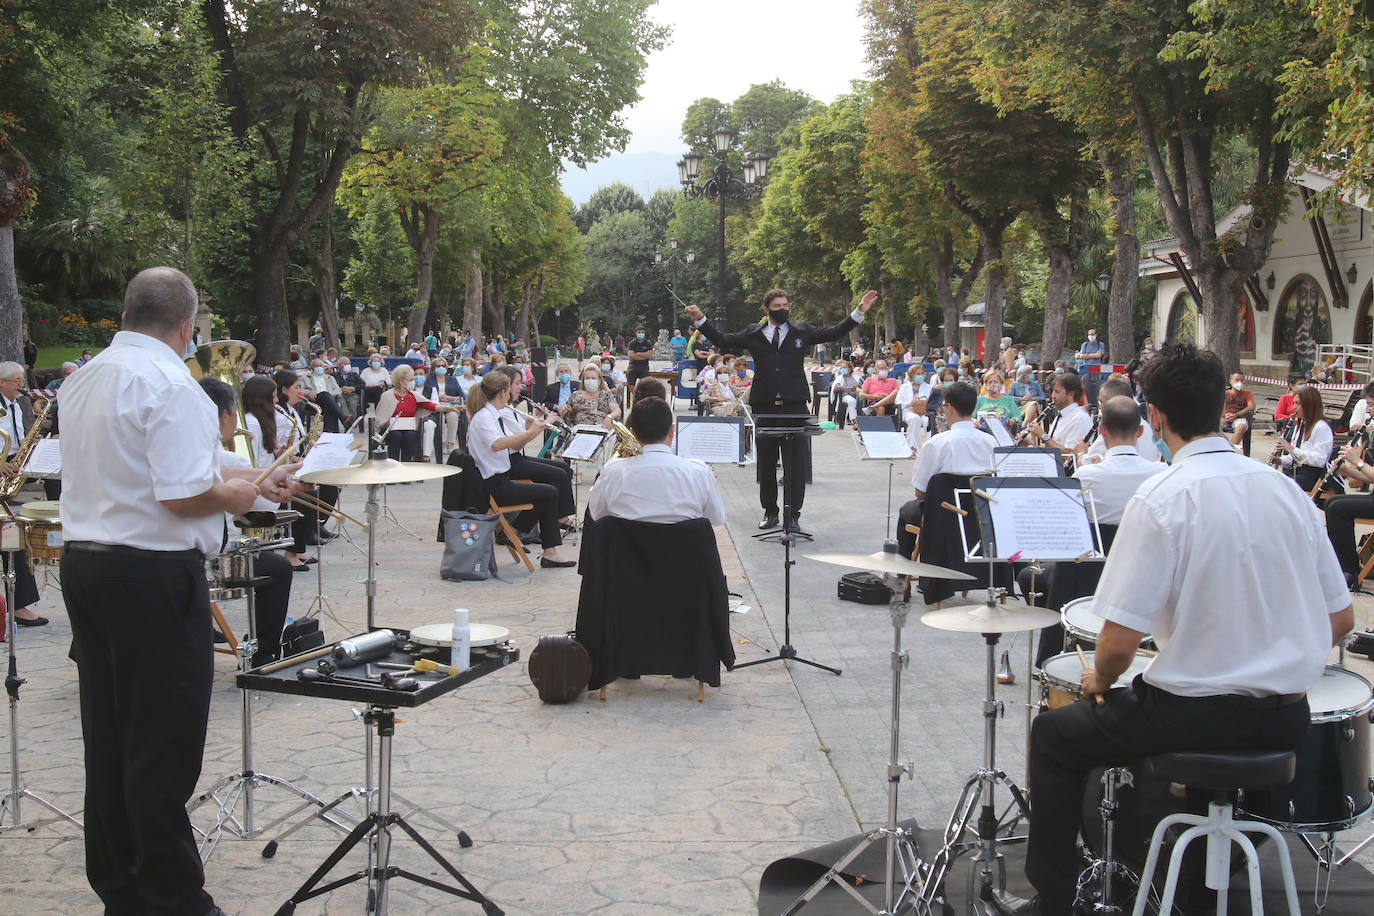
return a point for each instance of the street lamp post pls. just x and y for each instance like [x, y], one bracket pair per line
[673, 263]
[719, 186]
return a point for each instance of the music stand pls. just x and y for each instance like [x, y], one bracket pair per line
[789, 429]
[881, 441]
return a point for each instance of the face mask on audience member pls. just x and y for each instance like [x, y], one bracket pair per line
[881, 373]
[520, 367]
[742, 373]
[410, 385]
[918, 379]
[419, 378]
[639, 335]
[376, 364]
[591, 384]
[246, 375]
[1092, 338]
[467, 370]
[605, 368]
[1239, 386]
[317, 371]
[564, 377]
[843, 372]
[994, 390]
[441, 371]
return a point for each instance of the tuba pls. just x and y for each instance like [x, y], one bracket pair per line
[227, 360]
[626, 444]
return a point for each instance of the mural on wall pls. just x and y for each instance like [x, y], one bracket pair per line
[1182, 324]
[1301, 322]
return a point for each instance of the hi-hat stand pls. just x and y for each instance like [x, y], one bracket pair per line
[10, 538]
[901, 848]
[239, 787]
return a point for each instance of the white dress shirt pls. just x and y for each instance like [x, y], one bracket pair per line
[1144, 446]
[137, 429]
[483, 430]
[961, 449]
[1116, 478]
[657, 486]
[1315, 449]
[227, 459]
[1072, 424]
[1226, 562]
[13, 424]
[261, 456]
[1359, 414]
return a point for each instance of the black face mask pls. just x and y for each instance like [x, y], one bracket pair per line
[778, 317]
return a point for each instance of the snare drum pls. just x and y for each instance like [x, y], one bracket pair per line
[228, 567]
[1330, 790]
[1082, 626]
[1061, 678]
[42, 531]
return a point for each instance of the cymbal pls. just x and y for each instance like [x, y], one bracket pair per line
[882, 562]
[380, 471]
[1012, 617]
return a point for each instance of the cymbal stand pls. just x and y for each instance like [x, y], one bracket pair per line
[10, 545]
[1106, 886]
[978, 797]
[320, 602]
[390, 516]
[901, 848]
[239, 787]
[787, 650]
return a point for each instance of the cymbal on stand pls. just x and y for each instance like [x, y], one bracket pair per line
[882, 562]
[380, 471]
[1012, 617]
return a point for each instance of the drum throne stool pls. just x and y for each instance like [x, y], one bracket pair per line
[1225, 773]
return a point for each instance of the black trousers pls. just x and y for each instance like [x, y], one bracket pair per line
[269, 605]
[1341, 512]
[25, 585]
[508, 492]
[768, 450]
[310, 517]
[1136, 721]
[550, 471]
[403, 445]
[141, 640]
[910, 514]
[329, 411]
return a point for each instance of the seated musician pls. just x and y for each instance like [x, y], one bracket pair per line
[1145, 447]
[491, 447]
[1342, 510]
[552, 471]
[1073, 422]
[17, 423]
[288, 422]
[1120, 473]
[651, 388]
[1309, 450]
[962, 449]
[1230, 674]
[879, 393]
[655, 486]
[592, 404]
[272, 598]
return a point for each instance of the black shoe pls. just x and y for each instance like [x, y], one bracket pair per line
[770, 520]
[529, 538]
[218, 637]
[301, 568]
[31, 621]
[546, 563]
[1011, 905]
[792, 525]
[327, 535]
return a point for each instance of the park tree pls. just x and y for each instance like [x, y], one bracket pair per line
[616, 197]
[619, 251]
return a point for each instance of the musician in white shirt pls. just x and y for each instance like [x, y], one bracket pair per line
[1237, 652]
[1144, 445]
[142, 507]
[1310, 449]
[1117, 476]
[656, 485]
[1073, 423]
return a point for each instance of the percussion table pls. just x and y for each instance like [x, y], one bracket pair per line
[382, 702]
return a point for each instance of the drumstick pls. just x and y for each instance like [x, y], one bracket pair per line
[288, 662]
[1087, 667]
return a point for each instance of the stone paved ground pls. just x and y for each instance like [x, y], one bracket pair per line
[649, 803]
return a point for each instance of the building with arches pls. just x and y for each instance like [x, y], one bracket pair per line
[1314, 289]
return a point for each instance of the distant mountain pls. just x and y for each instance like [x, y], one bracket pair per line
[645, 172]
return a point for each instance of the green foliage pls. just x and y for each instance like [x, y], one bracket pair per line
[617, 197]
[380, 274]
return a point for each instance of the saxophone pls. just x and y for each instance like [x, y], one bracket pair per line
[10, 487]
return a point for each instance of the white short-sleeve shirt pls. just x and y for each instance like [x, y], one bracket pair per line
[657, 486]
[483, 430]
[961, 449]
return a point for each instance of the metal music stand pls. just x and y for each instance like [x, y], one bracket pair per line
[863, 425]
[790, 429]
[375, 829]
[239, 786]
[11, 542]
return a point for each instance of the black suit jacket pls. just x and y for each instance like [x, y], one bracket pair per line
[551, 392]
[778, 374]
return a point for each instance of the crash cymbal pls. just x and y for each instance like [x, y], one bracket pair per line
[882, 562]
[969, 617]
[380, 471]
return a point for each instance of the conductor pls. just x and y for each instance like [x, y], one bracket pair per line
[779, 347]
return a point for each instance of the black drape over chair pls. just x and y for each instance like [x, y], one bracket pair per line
[942, 546]
[637, 614]
[465, 492]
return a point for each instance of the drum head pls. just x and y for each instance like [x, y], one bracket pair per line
[1079, 619]
[441, 634]
[1065, 670]
[41, 508]
[1338, 691]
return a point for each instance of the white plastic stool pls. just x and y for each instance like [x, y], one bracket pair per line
[1220, 772]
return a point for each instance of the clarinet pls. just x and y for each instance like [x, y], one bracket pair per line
[1276, 456]
[1361, 439]
[1046, 420]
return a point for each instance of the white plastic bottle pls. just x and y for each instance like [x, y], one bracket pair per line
[461, 654]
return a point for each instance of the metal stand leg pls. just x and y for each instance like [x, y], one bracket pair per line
[376, 831]
[9, 804]
[1107, 886]
[239, 787]
[786, 650]
[391, 517]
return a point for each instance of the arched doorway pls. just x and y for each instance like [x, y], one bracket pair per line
[1182, 326]
[1301, 322]
[1364, 322]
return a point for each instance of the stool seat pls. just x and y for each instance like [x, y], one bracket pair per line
[1217, 770]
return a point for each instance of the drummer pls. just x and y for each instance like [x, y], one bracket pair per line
[1237, 653]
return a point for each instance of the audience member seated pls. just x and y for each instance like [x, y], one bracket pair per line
[998, 403]
[1238, 409]
[912, 401]
[400, 412]
[879, 392]
[1287, 405]
[443, 389]
[592, 404]
[560, 390]
[843, 392]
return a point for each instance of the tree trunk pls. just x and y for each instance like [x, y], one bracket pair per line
[1056, 302]
[269, 290]
[326, 284]
[1221, 291]
[11, 306]
[424, 239]
[1125, 276]
[472, 297]
[522, 314]
[494, 304]
[952, 300]
[889, 317]
[991, 243]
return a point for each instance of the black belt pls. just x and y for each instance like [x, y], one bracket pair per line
[123, 550]
[1235, 701]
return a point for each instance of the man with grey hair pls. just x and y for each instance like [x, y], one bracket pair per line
[67, 369]
[142, 508]
[18, 420]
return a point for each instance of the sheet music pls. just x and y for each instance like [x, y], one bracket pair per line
[45, 460]
[886, 445]
[998, 428]
[584, 444]
[1042, 523]
[1025, 463]
[710, 442]
[331, 450]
